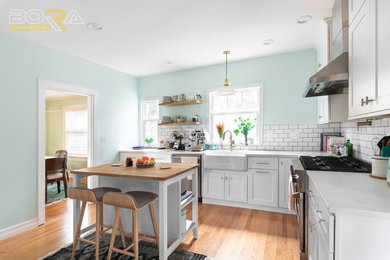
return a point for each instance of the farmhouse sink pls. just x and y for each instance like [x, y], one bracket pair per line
[226, 160]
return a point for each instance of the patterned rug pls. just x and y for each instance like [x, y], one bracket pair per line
[147, 251]
[53, 195]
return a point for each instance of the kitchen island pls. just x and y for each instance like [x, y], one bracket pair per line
[164, 182]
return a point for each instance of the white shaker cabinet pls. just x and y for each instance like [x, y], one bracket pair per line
[224, 185]
[236, 187]
[381, 94]
[361, 62]
[263, 187]
[284, 176]
[354, 7]
[369, 84]
[213, 185]
[332, 109]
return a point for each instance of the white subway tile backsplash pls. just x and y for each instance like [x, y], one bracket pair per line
[362, 138]
[294, 137]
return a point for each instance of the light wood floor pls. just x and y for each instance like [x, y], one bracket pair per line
[224, 233]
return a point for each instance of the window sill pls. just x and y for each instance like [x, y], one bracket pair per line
[78, 157]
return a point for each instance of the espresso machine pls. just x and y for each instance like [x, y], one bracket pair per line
[196, 140]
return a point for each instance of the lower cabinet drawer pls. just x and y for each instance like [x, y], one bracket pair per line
[263, 163]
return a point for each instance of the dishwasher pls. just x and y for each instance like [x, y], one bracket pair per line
[186, 184]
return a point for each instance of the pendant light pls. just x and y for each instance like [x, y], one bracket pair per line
[226, 89]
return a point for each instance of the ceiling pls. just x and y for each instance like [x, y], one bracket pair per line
[138, 36]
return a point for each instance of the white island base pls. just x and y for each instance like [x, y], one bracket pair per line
[168, 208]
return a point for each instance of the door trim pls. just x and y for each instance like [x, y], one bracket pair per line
[93, 99]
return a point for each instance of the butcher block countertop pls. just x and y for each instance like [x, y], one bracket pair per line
[154, 173]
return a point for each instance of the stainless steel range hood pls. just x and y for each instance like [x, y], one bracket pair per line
[332, 79]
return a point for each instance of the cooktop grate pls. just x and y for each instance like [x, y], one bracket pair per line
[337, 164]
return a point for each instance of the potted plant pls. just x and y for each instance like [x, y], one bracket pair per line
[244, 126]
[220, 130]
[149, 141]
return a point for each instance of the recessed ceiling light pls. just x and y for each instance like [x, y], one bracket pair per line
[167, 62]
[304, 19]
[268, 41]
[94, 26]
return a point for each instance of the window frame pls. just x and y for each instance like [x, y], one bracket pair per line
[259, 112]
[83, 107]
[143, 121]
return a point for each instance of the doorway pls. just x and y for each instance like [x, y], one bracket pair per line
[66, 122]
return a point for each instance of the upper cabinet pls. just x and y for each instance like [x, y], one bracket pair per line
[354, 7]
[382, 86]
[339, 27]
[361, 62]
[369, 83]
[333, 108]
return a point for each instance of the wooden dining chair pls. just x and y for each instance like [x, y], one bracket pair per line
[55, 170]
[64, 154]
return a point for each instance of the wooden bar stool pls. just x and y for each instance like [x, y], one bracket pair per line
[95, 196]
[134, 200]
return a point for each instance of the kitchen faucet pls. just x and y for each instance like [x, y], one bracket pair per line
[231, 139]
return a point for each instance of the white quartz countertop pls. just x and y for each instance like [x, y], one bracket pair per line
[353, 193]
[234, 152]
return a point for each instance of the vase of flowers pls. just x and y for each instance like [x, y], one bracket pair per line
[243, 127]
[220, 130]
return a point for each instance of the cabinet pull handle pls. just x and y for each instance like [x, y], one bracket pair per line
[318, 212]
[319, 116]
[366, 101]
[312, 227]
[262, 172]
[262, 163]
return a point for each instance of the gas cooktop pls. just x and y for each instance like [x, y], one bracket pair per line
[336, 164]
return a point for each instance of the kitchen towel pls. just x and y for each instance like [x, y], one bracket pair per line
[189, 160]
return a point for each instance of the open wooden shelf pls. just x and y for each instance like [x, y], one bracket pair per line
[181, 103]
[182, 123]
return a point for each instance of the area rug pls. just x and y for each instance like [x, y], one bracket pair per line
[53, 195]
[147, 251]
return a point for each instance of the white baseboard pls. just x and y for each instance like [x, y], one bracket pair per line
[18, 228]
[246, 205]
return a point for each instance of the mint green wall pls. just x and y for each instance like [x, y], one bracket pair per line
[21, 64]
[55, 122]
[284, 77]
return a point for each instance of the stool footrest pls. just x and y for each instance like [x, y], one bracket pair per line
[123, 251]
[87, 241]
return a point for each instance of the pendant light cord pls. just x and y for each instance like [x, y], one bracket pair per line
[226, 65]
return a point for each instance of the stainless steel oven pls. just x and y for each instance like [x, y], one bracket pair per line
[297, 203]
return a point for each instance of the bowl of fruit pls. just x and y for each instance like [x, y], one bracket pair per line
[145, 162]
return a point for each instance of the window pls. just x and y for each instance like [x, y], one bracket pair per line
[245, 103]
[76, 131]
[149, 117]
